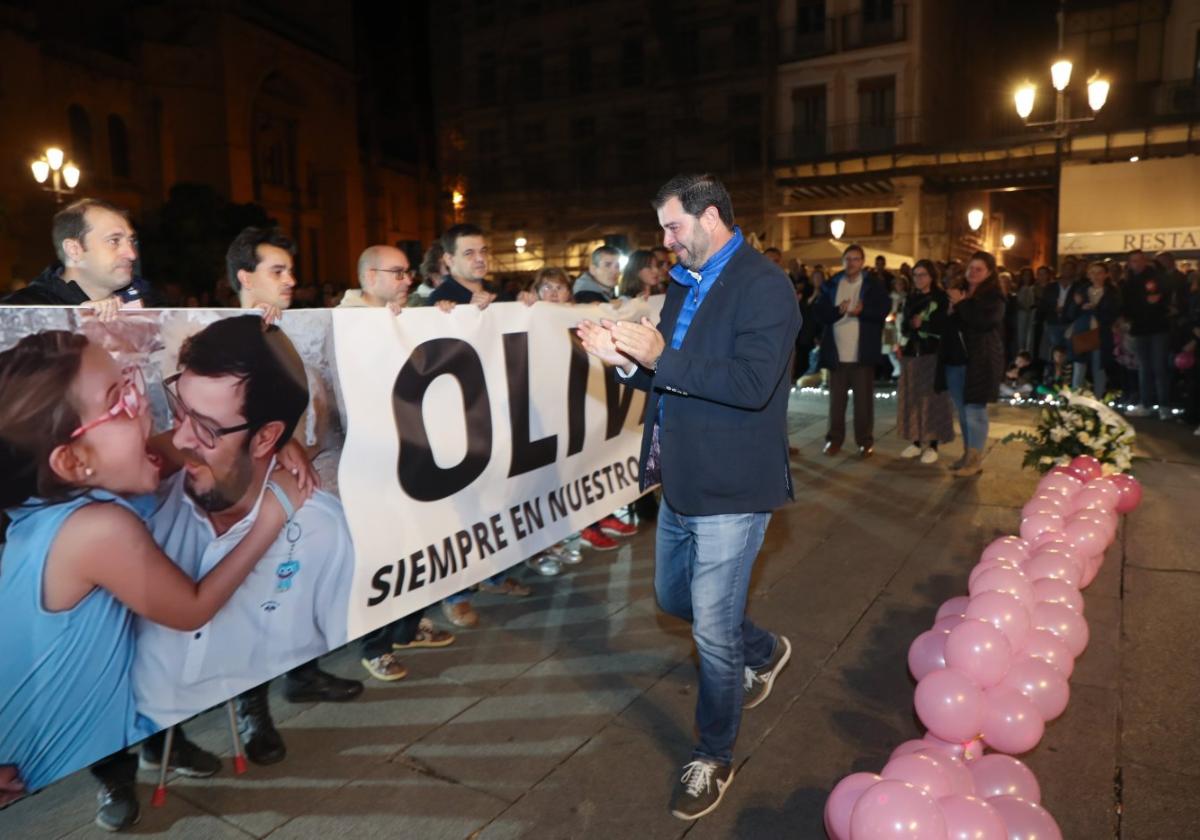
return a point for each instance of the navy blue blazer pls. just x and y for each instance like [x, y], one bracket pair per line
[877, 303]
[724, 392]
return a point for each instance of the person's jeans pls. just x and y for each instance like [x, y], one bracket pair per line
[702, 574]
[401, 632]
[465, 595]
[972, 417]
[1099, 375]
[1153, 376]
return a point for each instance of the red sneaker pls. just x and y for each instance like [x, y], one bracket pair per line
[593, 537]
[614, 527]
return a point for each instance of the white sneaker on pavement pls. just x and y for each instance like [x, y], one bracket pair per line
[929, 456]
[911, 451]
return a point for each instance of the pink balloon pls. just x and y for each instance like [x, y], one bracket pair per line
[979, 650]
[1011, 723]
[1042, 683]
[953, 606]
[1131, 492]
[841, 802]
[1025, 820]
[1036, 524]
[1087, 467]
[984, 565]
[1065, 623]
[971, 818]
[950, 705]
[1050, 539]
[1106, 521]
[1002, 775]
[923, 770]
[948, 623]
[1005, 612]
[1064, 483]
[1091, 567]
[908, 747]
[1047, 564]
[1085, 535]
[1005, 549]
[1050, 648]
[927, 653]
[1002, 579]
[1100, 494]
[895, 809]
[1058, 591]
[965, 751]
[1045, 503]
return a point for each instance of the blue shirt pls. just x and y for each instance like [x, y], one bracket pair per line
[66, 696]
[699, 283]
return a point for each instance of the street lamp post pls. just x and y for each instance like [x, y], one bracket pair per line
[54, 174]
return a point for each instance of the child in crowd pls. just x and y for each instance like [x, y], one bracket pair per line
[1060, 373]
[1018, 379]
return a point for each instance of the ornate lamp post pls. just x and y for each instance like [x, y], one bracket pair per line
[54, 174]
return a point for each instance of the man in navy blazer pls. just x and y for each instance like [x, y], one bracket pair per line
[715, 437]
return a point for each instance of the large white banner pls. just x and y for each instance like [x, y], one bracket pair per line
[474, 440]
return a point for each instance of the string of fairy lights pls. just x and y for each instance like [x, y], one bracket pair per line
[1018, 400]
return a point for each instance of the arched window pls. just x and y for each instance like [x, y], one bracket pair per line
[118, 146]
[81, 137]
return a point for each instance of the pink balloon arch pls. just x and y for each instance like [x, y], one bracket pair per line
[991, 672]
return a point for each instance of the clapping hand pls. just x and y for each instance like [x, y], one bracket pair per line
[598, 340]
[640, 341]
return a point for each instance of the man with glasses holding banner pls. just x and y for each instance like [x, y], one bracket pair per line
[236, 401]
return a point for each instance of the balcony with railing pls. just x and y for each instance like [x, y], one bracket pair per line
[851, 138]
[877, 24]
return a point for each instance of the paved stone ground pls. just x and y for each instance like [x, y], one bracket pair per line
[569, 713]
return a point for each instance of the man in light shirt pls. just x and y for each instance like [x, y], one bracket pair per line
[852, 307]
[236, 401]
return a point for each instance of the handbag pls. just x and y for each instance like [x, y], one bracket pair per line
[1085, 342]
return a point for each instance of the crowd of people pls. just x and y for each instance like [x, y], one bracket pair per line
[956, 336]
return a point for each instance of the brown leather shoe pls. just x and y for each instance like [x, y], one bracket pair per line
[831, 448]
[866, 451]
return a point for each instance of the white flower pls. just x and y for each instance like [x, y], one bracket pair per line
[1059, 433]
[1045, 459]
[1063, 460]
[1085, 438]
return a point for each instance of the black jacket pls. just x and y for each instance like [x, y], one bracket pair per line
[1146, 318]
[1048, 305]
[724, 392]
[49, 289]
[876, 304]
[1105, 313]
[976, 330]
[926, 339]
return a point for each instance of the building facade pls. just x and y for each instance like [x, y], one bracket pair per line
[258, 101]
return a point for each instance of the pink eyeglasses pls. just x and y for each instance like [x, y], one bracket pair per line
[129, 401]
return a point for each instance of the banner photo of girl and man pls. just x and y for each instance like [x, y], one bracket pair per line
[195, 503]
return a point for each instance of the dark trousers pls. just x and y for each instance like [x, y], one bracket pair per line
[399, 632]
[120, 768]
[860, 378]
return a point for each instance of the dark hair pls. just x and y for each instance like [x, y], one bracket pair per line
[274, 384]
[631, 284]
[1136, 251]
[604, 251]
[1024, 354]
[697, 193]
[450, 237]
[431, 263]
[37, 413]
[243, 251]
[772, 249]
[550, 274]
[1059, 348]
[854, 246]
[71, 222]
[935, 279]
[993, 278]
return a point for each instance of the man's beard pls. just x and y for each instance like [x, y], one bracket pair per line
[227, 490]
[696, 250]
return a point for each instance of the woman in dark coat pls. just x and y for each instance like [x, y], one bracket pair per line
[924, 415]
[1093, 304]
[976, 336]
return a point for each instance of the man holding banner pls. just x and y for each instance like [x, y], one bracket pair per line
[715, 436]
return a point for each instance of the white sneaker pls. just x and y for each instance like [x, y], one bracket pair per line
[929, 456]
[546, 565]
[911, 451]
[1139, 411]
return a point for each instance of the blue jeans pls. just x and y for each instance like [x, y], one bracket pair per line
[1153, 376]
[972, 417]
[702, 575]
[1099, 375]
